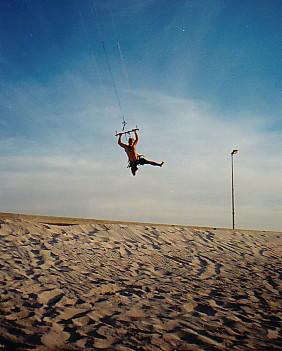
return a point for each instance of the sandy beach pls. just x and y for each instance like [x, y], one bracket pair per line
[101, 285]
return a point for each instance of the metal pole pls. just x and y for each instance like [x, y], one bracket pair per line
[232, 181]
[232, 185]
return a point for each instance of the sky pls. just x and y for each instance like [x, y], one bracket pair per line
[198, 77]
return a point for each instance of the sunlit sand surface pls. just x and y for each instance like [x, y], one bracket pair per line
[125, 287]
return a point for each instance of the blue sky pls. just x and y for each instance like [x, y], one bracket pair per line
[198, 77]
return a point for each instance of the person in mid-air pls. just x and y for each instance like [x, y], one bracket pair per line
[134, 159]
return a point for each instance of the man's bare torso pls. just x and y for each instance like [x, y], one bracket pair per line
[131, 152]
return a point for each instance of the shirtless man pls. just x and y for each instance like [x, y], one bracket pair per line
[133, 157]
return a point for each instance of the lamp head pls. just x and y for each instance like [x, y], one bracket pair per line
[234, 152]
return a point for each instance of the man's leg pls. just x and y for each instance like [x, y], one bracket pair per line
[133, 168]
[143, 161]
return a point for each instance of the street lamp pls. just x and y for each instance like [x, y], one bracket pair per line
[232, 182]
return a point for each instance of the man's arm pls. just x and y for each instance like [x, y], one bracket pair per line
[120, 142]
[136, 138]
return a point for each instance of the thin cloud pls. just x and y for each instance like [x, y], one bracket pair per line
[193, 187]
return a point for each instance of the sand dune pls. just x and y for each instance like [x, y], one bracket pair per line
[92, 285]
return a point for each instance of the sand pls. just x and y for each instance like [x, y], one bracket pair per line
[129, 286]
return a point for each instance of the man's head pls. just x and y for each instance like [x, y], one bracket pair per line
[130, 141]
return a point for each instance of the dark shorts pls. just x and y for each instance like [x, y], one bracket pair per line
[141, 161]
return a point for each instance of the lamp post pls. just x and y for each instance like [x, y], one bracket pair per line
[232, 184]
